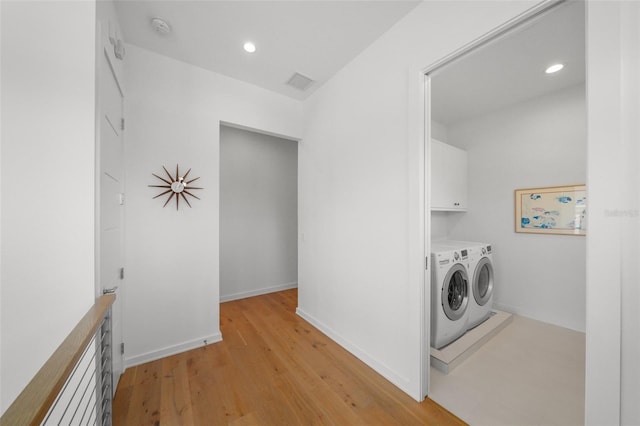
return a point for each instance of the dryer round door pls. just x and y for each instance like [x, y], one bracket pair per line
[455, 292]
[483, 281]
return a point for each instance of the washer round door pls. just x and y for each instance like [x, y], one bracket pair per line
[483, 281]
[455, 292]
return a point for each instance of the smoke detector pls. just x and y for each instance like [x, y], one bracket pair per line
[299, 81]
[161, 26]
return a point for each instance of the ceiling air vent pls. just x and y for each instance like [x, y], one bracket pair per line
[300, 81]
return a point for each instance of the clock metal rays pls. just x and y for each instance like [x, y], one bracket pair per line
[177, 186]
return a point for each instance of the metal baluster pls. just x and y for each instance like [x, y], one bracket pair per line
[106, 378]
[88, 392]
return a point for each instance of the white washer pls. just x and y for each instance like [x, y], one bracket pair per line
[480, 271]
[450, 294]
[481, 274]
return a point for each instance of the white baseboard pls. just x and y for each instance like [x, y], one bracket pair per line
[172, 350]
[523, 312]
[258, 292]
[362, 355]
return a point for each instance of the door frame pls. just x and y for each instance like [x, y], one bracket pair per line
[103, 54]
[105, 59]
[420, 133]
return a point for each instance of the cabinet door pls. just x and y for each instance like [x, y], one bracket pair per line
[439, 195]
[457, 160]
[448, 177]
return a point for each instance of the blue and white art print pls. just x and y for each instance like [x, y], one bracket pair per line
[552, 210]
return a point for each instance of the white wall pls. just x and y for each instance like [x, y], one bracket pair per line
[630, 220]
[173, 113]
[359, 189]
[258, 213]
[540, 142]
[613, 298]
[439, 131]
[48, 99]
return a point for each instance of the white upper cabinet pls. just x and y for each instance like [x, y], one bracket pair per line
[448, 177]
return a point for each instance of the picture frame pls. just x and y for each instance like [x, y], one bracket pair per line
[551, 210]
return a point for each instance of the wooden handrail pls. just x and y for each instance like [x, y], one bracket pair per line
[33, 403]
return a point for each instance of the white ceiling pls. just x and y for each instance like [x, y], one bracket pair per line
[315, 38]
[318, 37]
[511, 68]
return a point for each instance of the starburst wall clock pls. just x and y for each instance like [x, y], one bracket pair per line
[177, 186]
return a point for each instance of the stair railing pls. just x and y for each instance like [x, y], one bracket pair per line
[74, 386]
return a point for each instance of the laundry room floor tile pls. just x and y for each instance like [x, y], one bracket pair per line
[449, 357]
[530, 373]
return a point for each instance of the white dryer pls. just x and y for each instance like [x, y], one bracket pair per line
[450, 294]
[481, 274]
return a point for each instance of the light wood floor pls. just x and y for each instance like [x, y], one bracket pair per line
[272, 368]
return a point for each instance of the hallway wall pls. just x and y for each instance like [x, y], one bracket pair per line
[47, 196]
[174, 111]
[360, 265]
[613, 242]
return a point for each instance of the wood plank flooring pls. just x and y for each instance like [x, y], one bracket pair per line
[272, 368]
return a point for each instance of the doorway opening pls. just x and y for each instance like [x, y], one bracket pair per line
[258, 213]
[520, 128]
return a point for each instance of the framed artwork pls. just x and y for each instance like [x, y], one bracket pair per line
[551, 210]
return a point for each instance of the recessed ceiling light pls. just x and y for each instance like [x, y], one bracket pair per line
[249, 47]
[554, 68]
[161, 26]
